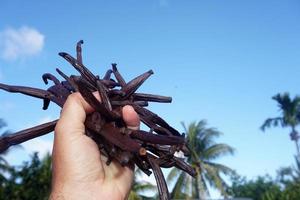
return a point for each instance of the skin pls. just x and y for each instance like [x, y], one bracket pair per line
[79, 170]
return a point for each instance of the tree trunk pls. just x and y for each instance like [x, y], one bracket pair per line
[295, 136]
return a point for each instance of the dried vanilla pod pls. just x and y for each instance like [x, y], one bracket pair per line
[149, 150]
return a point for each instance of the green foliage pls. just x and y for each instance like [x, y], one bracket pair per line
[290, 116]
[285, 187]
[31, 181]
[204, 150]
[289, 112]
[4, 166]
[263, 188]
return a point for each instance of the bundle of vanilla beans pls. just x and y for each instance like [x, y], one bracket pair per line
[149, 150]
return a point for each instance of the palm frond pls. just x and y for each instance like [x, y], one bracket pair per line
[203, 148]
[272, 122]
[203, 191]
[221, 168]
[177, 192]
[217, 150]
[143, 186]
[173, 174]
[289, 108]
[214, 178]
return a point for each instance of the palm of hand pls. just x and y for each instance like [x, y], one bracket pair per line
[79, 170]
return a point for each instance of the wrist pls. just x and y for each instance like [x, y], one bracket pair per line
[74, 191]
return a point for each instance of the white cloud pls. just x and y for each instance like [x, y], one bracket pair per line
[20, 43]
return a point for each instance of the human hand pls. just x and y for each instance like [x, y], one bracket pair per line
[79, 169]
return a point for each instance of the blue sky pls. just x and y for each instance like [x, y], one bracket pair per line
[220, 61]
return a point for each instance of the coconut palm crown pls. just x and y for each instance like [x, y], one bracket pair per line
[204, 151]
[290, 116]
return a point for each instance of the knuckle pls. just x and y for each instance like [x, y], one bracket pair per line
[74, 97]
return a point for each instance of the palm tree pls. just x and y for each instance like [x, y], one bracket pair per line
[204, 150]
[289, 175]
[139, 187]
[289, 116]
[4, 167]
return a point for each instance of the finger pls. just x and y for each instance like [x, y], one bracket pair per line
[130, 117]
[73, 115]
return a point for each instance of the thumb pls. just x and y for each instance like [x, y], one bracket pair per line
[130, 117]
[73, 115]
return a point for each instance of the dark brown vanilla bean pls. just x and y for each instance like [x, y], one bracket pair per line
[22, 136]
[158, 120]
[107, 74]
[124, 103]
[159, 177]
[78, 51]
[156, 139]
[146, 119]
[68, 80]
[114, 136]
[180, 164]
[149, 150]
[118, 76]
[91, 99]
[115, 93]
[142, 164]
[88, 85]
[151, 97]
[110, 83]
[49, 76]
[34, 92]
[79, 67]
[103, 95]
[135, 83]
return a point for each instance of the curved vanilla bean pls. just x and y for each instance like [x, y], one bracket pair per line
[46, 103]
[48, 76]
[166, 163]
[159, 177]
[180, 164]
[22, 136]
